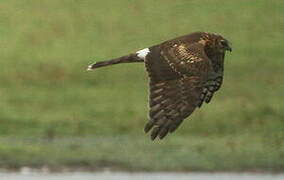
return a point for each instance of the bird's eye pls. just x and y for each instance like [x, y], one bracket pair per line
[224, 43]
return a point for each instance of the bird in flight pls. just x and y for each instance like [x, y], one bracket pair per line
[184, 72]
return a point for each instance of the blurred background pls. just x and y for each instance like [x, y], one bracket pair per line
[55, 114]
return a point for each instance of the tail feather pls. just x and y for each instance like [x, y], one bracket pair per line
[124, 59]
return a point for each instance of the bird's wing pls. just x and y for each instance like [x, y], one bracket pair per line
[215, 79]
[175, 87]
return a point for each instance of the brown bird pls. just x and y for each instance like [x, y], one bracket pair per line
[184, 72]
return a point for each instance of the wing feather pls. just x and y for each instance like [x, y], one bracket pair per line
[176, 85]
[215, 78]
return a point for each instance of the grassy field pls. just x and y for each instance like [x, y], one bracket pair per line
[54, 113]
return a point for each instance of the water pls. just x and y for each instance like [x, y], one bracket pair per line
[138, 176]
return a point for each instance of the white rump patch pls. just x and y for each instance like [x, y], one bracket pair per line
[143, 53]
[90, 67]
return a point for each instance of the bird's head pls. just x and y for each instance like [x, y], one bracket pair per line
[221, 44]
[215, 42]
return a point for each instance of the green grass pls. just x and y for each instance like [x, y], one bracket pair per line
[53, 112]
[138, 154]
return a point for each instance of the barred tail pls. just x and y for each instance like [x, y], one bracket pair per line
[124, 59]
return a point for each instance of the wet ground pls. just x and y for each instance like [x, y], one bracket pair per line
[139, 176]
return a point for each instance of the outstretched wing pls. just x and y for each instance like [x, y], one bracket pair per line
[215, 78]
[210, 87]
[177, 75]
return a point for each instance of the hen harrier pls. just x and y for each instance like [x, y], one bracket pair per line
[184, 72]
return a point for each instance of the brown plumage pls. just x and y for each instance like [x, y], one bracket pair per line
[184, 73]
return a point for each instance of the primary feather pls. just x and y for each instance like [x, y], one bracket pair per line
[183, 72]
